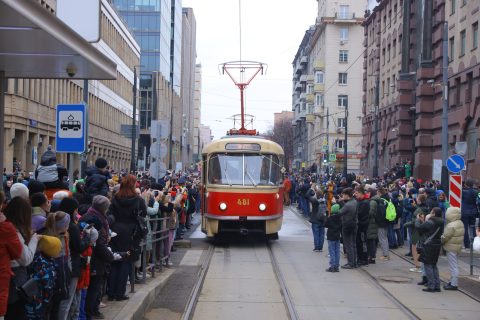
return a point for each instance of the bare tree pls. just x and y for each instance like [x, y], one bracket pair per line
[282, 133]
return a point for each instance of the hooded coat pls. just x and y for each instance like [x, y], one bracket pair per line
[452, 238]
[431, 250]
[96, 182]
[372, 229]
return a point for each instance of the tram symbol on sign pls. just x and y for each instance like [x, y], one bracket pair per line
[70, 124]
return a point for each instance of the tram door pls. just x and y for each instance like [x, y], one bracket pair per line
[203, 192]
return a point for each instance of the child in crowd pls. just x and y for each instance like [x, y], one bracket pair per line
[334, 225]
[86, 256]
[42, 270]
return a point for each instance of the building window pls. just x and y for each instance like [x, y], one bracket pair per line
[339, 143]
[342, 78]
[452, 48]
[319, 100]
[383, 56]
[400, 44]
[343, 56]
[453, 5]
[388, 53]
[343, 101]
[343, 34]
[463, 40]
[464, 2]
[394, 48]
[310, 88]
[475, 35]
[341, 123]
[344, 12]
[319, 77]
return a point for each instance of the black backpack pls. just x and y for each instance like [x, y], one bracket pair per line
[381, 212]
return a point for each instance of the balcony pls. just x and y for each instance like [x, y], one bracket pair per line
[303, 96]
[304, 60]
[303, 78]
[310, 98]
[310, 78]
[298, 86]
[298, 69]
[319, 111]
[319, 88]
[343, 18]
[310, 118]
[318, 65]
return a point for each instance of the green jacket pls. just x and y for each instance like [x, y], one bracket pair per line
[452, 238]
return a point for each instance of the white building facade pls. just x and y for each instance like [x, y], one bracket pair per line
[328, 90]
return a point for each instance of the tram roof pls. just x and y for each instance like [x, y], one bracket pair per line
[267, 146]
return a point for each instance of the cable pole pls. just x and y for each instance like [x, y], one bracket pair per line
[134, 118]
[345, 148]
[445, 176]
[375, 137]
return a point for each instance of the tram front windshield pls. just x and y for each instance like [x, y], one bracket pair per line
[244, 169]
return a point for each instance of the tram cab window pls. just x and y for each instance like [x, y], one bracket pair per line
[244, 169]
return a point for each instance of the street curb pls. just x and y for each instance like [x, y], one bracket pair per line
[141, 300]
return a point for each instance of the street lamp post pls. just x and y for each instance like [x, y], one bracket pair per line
[134, 120]
[375, 141]
[445, 177]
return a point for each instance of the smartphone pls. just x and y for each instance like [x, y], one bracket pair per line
[156, 193]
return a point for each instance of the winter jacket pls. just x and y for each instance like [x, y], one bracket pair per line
[469, 202]
[430, 251]
[349, 216]
[452, 238]
[96, 182]
[10, 249]
[363, 211]
[28, 252]
[125, 213]
[432, 201]
[77, 246]
[334, 225]
[101, 256]
[319, 211]
[416, 236]
[51, 175]
[372, 229]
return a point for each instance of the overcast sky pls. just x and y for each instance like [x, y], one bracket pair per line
[271, 33]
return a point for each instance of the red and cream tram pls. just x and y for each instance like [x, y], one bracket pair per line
[242, 186]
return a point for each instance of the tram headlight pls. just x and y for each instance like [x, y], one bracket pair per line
[223, 206]
[262, 207]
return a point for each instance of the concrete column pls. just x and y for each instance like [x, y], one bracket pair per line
[8, 149]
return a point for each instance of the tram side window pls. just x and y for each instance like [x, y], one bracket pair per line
[214, 173]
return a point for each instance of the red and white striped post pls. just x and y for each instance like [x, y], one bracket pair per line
[455, 195]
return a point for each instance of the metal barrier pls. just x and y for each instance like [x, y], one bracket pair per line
[158, 233]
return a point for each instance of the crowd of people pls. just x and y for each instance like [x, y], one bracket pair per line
[393, 211]
[63, 252]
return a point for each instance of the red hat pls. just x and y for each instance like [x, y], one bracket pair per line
[173, 193]
[419, 180]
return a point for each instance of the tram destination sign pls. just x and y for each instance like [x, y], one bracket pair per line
[243, 146]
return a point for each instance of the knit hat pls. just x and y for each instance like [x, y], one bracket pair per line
[50, 246]
[101, 163]
[63, 223]
[35, 186]
[19, 190]
[93, 235]
[101, 203]
[49, 157]
[335, 208]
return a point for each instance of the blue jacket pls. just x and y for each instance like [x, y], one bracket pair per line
[469, 201]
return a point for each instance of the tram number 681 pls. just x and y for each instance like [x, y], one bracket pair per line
[243, 202]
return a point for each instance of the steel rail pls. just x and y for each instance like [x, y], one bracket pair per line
[287, 297]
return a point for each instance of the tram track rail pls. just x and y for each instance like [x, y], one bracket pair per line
[205, 264]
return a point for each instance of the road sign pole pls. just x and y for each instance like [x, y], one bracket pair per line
[70, 171]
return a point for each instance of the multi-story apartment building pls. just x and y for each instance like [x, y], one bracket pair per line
[157, 25]
[327, 87]
[416, 108]
[30, 104]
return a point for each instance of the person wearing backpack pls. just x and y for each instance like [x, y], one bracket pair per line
[421, 209]
[372, 229]
[469, 210]
[382, 223]
[363, 210]
[431, 227]
[348, 213]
